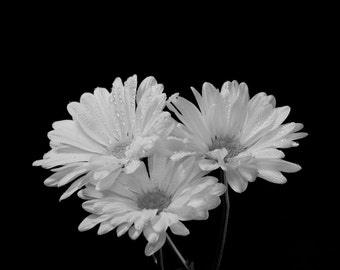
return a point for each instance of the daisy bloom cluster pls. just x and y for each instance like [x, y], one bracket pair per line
[237, 134]
[142, 172]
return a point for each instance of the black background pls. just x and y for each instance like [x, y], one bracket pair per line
[271, 226]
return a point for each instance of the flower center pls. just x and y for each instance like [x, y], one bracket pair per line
[156, 199]
[118, 150]
[233, 146]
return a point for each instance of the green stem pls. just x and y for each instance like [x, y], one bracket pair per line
[184, 262]
[225, 203]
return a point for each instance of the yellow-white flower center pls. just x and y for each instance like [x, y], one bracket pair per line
[119, 150]
[155, 199]
[232, 145]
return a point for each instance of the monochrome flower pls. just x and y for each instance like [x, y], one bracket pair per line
[145, 203]
[231, 132]
[108, 134]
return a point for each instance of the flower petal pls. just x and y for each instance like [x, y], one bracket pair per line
[69, 132]
[75, 186]
[277, 164]
[147, 83]
[123, 228]
[133, 233]
[105, 227]
[132, 166]
[269, 153]
[108, 181]
[151, 248]
[236, 181]
[150, 234]
[92, 220]
[208, 164]
[179, 229]
[272, 176]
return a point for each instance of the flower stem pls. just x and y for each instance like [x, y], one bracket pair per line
[224, 223]
[177, 252]
[161, 263]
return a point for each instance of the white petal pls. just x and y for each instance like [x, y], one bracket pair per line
[278, 138]
[217, 189]
[189, 213]
[132, 166]
[75, 186]
[88, 223]
[282, 114]
[150, 234]
[179, 229]
[296, 136]
[162, 221]
[152, 248]
[91, 125]
[133, 233]
[219, 155]
[92, 220]
[186, 192]
[145, 216]
[236, 181]
[118, 118]
[59, 157]
[209, 95]
[208, 164]
[192, 118]
[130, 103]
[179, 155]
[248, 174]
[184, 172]
[147, 83]
[157, 163]
[137, 181]
[277, 164]
[123, 228]
[238, 110]
[90, 193]
[108, 181]
[272, 176]
[69, 132]
[200, 100]
[105, 227]
[269, 153]
[71, 176]
[100, 174]
[55, 178]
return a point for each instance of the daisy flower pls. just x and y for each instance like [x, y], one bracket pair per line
[145, 203]
[238, 135]
[108, 134]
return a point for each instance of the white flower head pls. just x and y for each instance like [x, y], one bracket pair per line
[108, 134]
[231, 132]
[149, 204]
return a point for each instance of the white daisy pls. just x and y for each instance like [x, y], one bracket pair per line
[137, 202]
[231, 132]
[108, 134]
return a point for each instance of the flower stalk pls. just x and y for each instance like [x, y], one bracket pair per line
[179, 255]
[225, 204]
[161, 262]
